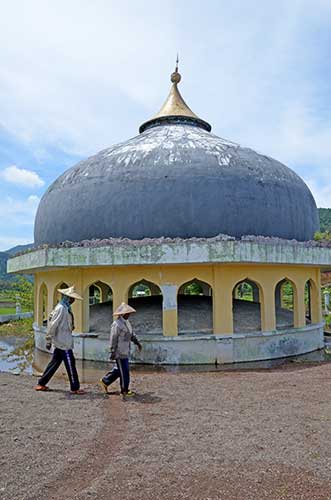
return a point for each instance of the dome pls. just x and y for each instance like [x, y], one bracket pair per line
[176, 179]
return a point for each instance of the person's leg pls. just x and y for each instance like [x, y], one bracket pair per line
[70, 364]
[51, 368]
[123, 366]
[111, 376]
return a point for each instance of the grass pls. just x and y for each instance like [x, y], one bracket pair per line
[7, 310]
[19, 328]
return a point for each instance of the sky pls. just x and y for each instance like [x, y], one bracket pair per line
[77, 76]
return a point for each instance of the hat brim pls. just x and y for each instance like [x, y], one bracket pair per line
[128, 310]
[74, 295]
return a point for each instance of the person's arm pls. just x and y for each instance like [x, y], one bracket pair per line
[135, 340]
[53, 323]
[114, 333]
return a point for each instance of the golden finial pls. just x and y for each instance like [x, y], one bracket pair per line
[175, 107]
[175, 76]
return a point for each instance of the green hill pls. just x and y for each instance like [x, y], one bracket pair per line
[4, 256]
[325, 219]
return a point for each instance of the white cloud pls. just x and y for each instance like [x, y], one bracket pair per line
[22, 177]
[18, 212]
[255, 71]
[16, 222]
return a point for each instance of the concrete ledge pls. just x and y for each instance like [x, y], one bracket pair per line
[4, 318]
[203, 349]
[183, 251]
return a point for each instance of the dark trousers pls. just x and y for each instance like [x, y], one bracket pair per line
[122, 371]
[68, 358]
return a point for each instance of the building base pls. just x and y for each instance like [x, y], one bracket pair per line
[197, 349]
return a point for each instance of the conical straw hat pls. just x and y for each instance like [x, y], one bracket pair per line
[123, 309]
[70, 292]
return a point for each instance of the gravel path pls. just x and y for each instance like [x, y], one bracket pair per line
[226, 435]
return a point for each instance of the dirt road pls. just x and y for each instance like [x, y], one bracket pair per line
[227, 435]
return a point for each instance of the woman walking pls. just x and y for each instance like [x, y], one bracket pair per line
[121, 336]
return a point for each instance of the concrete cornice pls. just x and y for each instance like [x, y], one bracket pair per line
[182, 252]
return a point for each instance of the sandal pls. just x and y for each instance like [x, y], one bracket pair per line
[104, 386]
[78, 392]
[128, 394]
[41, 388]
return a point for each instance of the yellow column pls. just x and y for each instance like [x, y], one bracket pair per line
[120, 294]
[86, 310]
[268, 310]
[49, 306]
[315, 299]
[78, 305]
[222, 303]
[169, 310]
[299, 304]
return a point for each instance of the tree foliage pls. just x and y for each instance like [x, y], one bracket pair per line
[325, 219]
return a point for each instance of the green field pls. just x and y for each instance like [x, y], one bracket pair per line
[7, 310]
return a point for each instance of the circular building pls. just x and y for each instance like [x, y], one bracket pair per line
[207, 239]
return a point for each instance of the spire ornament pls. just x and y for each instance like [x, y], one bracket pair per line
[175, 108]
[175, 76]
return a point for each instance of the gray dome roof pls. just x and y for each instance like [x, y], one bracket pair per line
[176, 179]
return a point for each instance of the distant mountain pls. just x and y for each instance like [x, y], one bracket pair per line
[4, 256]
[18, 248]
[3, 264]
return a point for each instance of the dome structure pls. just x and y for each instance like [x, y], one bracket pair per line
[176, 179]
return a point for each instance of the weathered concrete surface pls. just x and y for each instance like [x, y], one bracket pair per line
[176, 180]
[181, 252]
[202, 348]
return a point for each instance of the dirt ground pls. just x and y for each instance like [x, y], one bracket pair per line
[248, 435]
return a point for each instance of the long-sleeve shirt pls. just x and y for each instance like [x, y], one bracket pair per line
[121, 335]
[60, 326]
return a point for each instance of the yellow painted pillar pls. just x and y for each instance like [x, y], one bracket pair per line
[268, 310]
[49, 301]
[120, 294]
[78, 305]
[86, 310]
[169, 310]
[316, 299]
[299, 306]
[222, 303]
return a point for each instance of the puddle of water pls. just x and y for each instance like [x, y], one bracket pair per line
[14, 358]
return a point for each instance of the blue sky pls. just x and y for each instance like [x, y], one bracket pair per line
[77, 76]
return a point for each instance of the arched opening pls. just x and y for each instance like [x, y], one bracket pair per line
[195, 307]
[43, 305]
[56, 294]
[246, 306]
[247, 290]
[312, 302]
[99, 307]
[146, 297]
[284, 304]
[308, 302]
